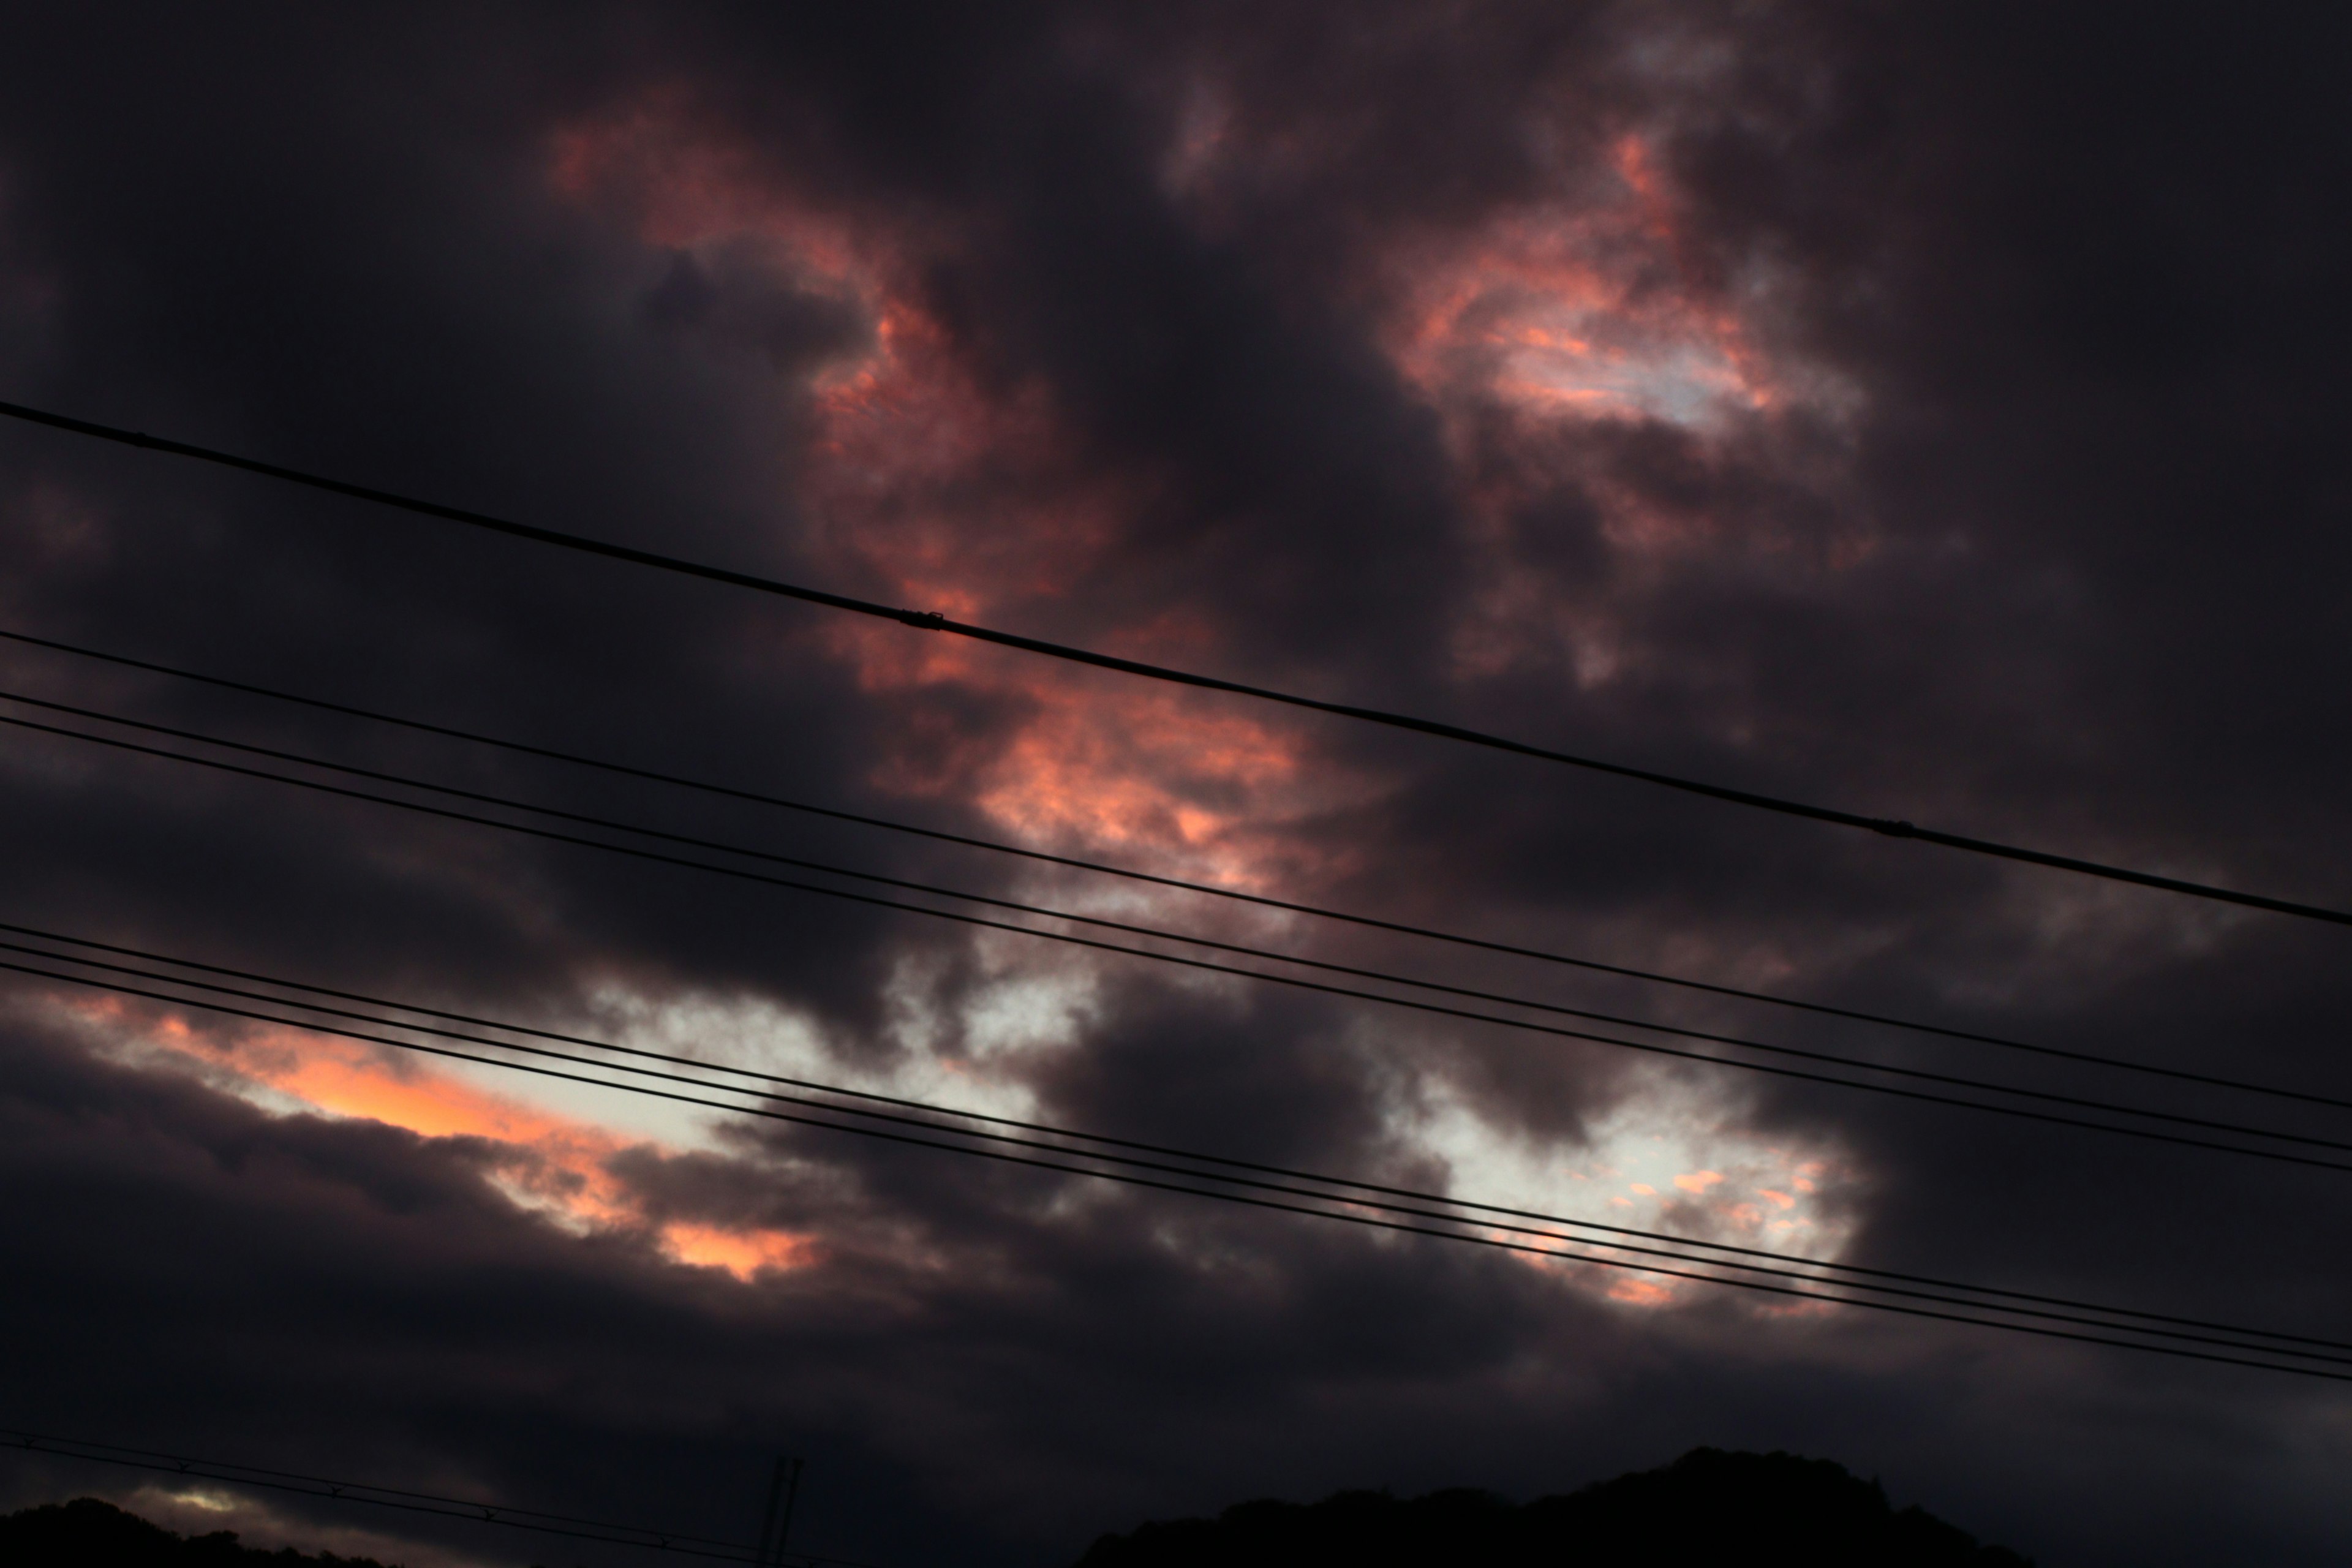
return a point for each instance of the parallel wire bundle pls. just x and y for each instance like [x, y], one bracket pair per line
[1208, 889]
[1009, 1141]
[647, 1538]
[2148, 1123]
[1203, 1175]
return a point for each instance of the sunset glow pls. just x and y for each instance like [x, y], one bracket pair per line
[554, 1164]
[1579, 312]
[969, 501]
[745, 1254]
[1083, 760]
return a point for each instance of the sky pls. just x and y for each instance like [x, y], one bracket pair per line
[1933, 412]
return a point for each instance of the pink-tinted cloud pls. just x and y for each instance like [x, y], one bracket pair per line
[555, 1164]
[961, 494]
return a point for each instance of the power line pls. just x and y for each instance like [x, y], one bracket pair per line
[649, 1538]
[1294, 981]
[1808, 1269]
[929, 1110]
[933, 621]
[1210, 890]
[1387, 1215]
[1130, 928]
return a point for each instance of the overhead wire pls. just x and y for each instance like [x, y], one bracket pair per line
[1153, 879]
[901, 1103]
[934, 621]
[1387, 1215]
[1294, 981]
[1132, 928]
[604, 1531]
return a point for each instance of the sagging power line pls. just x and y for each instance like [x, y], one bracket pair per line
[1290, 981]
[1234, 895]
[919, 1124]
[646, 1538]
[934, 621]
[438, 1016]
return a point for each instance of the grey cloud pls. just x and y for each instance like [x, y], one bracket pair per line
[2068, 569]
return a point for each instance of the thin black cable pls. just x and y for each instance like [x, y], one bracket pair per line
[930, 620]
[1211, 890]
[1810, 1270]
[928, 1110]
[644, 1537]
[1130, 1179]
[762, 1077]
[229, 1470]
[478, 1513]
[1294, 981]
[1130, 928]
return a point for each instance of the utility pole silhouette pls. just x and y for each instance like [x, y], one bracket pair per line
[776, 1525]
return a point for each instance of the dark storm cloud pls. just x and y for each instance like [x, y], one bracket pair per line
[363, 1286]
[2064, 565]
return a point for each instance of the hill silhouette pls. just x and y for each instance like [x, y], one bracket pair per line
[88, 1533]
[1708, 1507]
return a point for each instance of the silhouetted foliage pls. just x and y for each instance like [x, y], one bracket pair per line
[88, 1533]
[1708, 1507]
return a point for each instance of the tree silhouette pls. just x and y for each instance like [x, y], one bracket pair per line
[1708, 1507]
[88, 1533]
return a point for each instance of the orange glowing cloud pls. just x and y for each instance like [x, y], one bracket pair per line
[554, 1164]
[745, 1254]
[1556, 311]
[1631, 1288]
[963, 494]
[1537, 330]
[1639, 1290]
